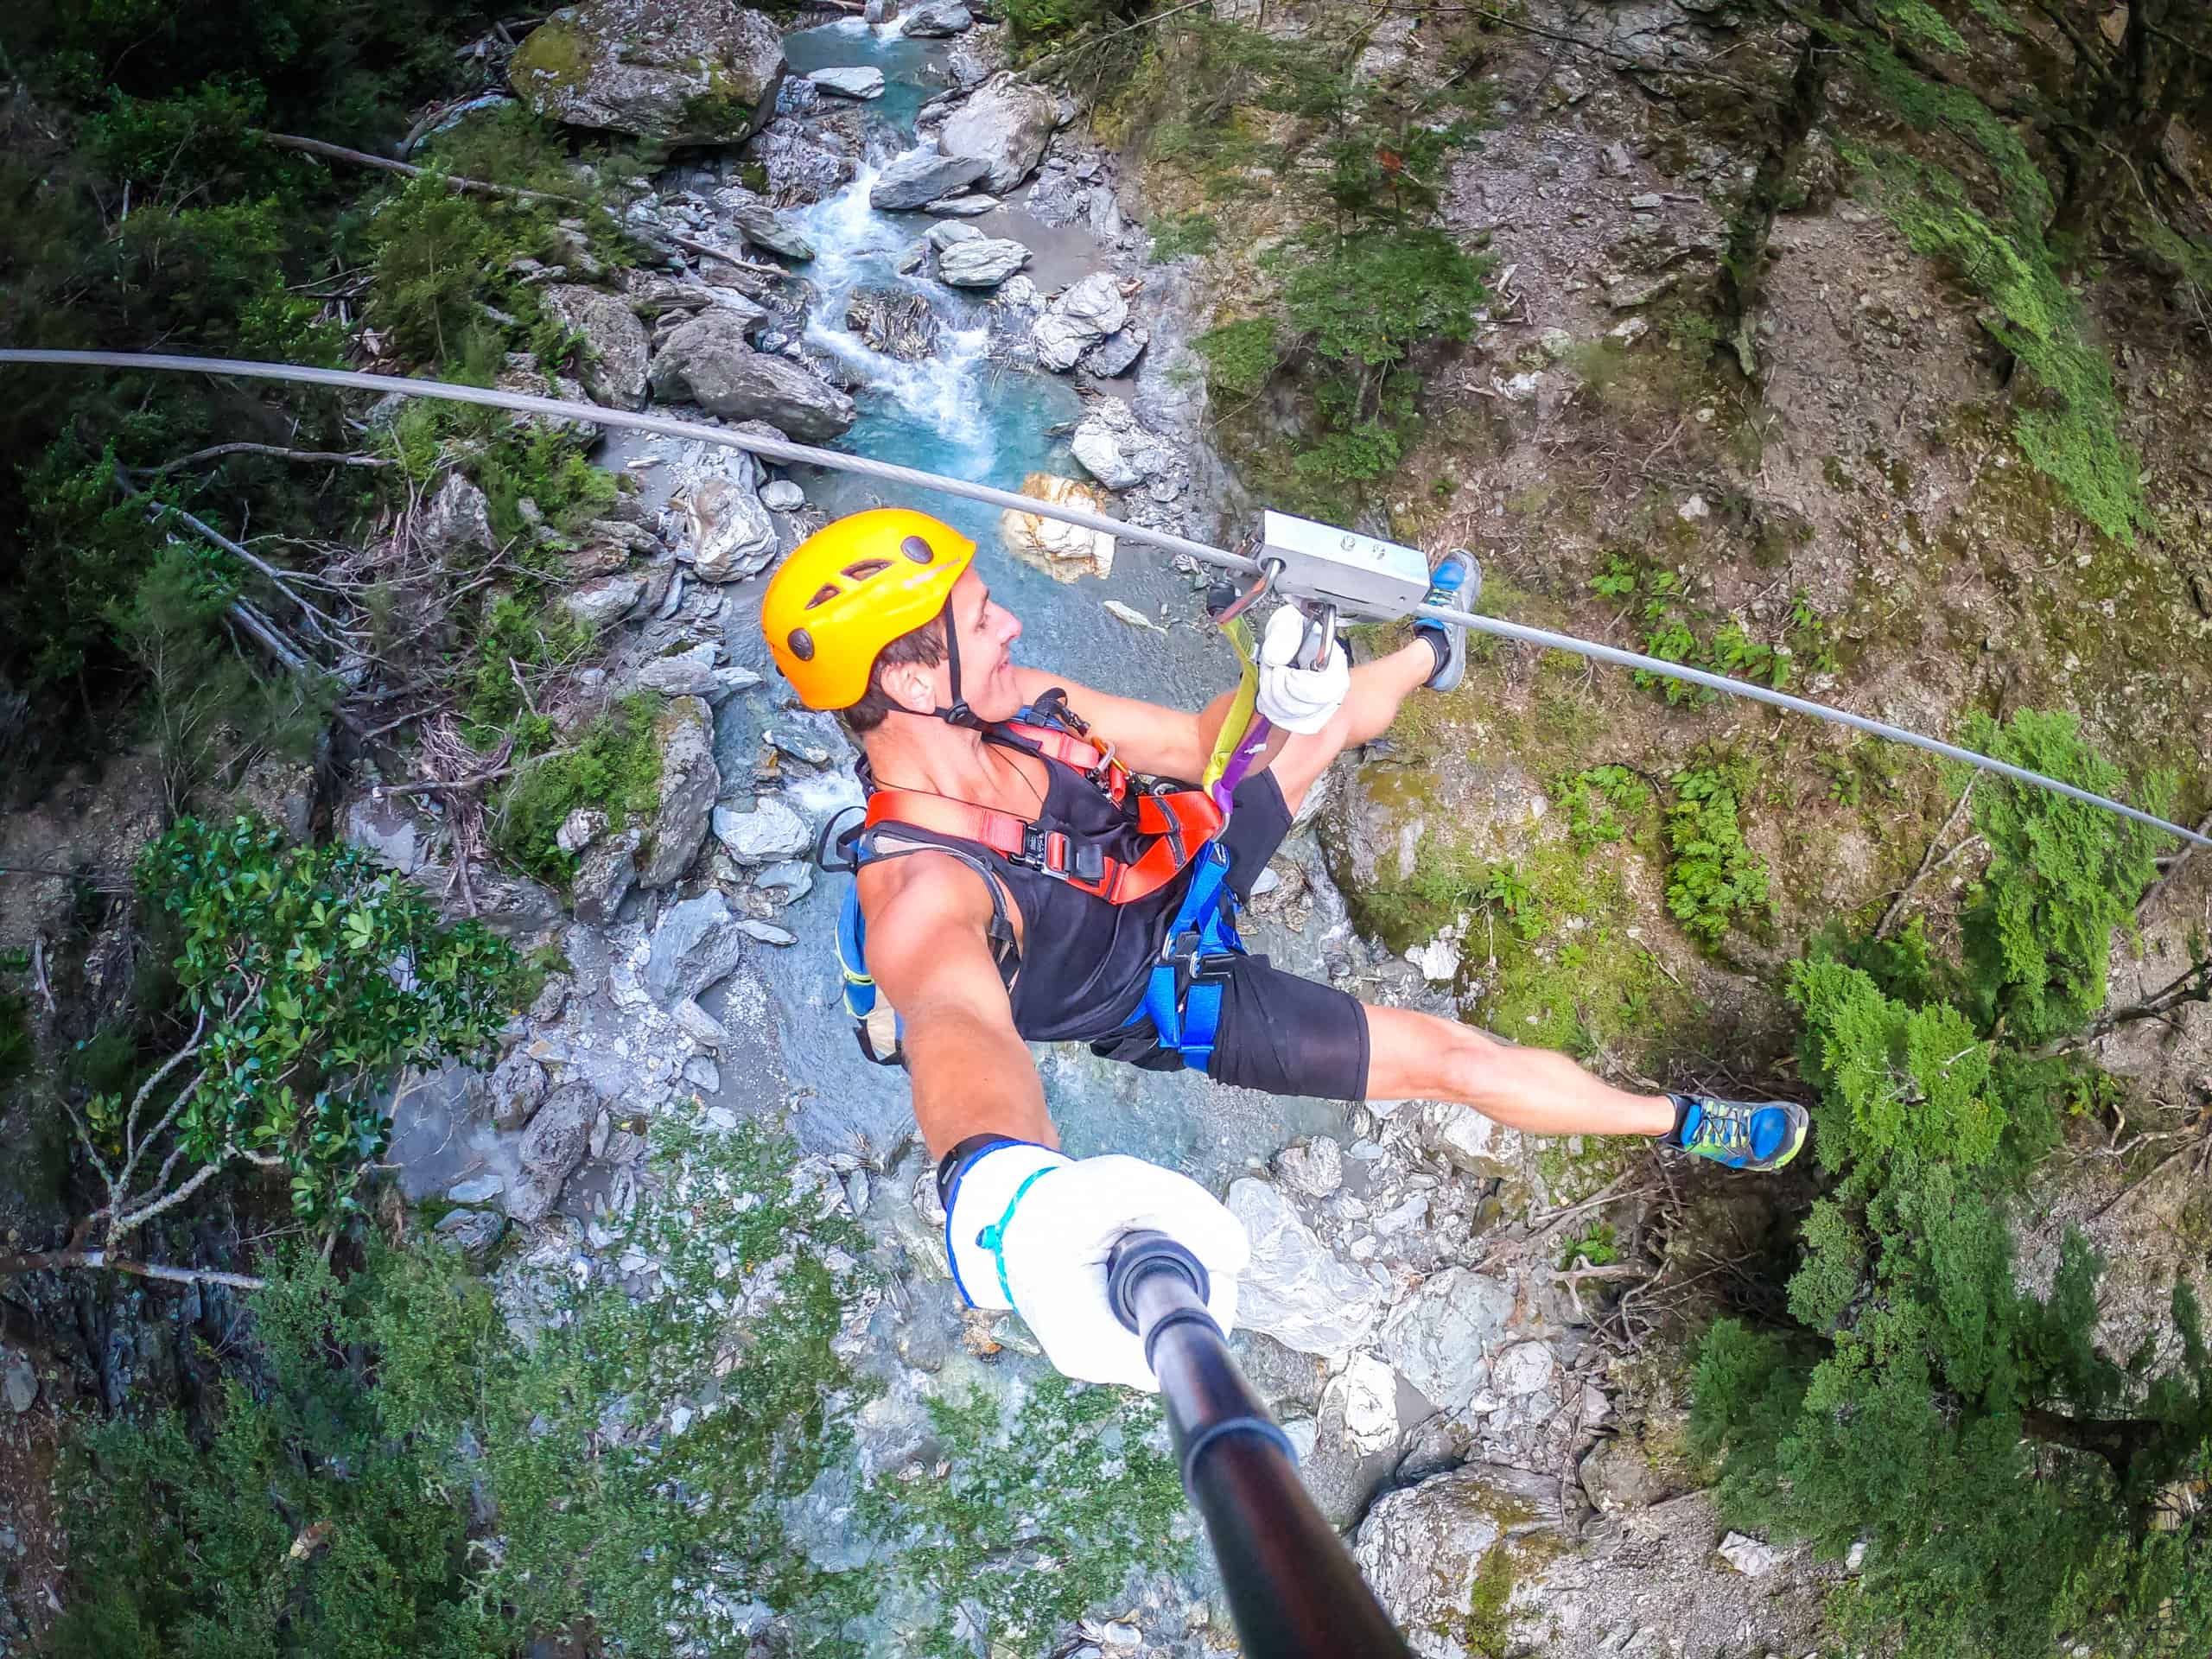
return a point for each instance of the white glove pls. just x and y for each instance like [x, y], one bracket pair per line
[1053, 1222]
[1299, 699]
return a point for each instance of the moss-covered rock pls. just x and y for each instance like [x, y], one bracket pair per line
[670, 72]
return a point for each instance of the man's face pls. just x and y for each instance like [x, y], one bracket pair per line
[987, 633]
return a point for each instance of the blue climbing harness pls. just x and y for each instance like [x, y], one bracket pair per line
[1201, 943]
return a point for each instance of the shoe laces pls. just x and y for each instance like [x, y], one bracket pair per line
[1724, 1124]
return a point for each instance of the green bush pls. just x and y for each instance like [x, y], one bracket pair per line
[2064, 876]
[516, 634]
[313, 976]
[1599, 802]
[613, 766]
[1714, 880]
[396, 1472]
[2007, 1477]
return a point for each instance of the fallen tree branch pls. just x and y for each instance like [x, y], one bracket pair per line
[1926, 862]
[405, 170]
[215, 451]
[710, 250]
[42, 1261]
[2158, 889]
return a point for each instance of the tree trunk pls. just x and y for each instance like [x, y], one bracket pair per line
[2118, 1441]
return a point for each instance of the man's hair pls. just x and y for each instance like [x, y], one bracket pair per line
[919, 647]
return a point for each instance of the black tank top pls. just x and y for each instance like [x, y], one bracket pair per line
[1083, 962]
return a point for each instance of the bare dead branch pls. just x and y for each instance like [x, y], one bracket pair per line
[216, 451]
[361, 158]
[39, 1261]
[1926, 862]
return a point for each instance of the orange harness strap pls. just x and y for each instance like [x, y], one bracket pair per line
[1178, 823]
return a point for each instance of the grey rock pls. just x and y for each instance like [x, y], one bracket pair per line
[1315, 1167]
[766, 228]
[605, 875]
[476, 1189]
[879, 11]
[799, 159]
[728, 533]
[474, 1233]
[1420, 1549]
[696, 945]
[458, 521]
[1005, 122]
[781, 495]
[1091, 309]
[1752, 1557]
[1117, 353]
[689, 783]
[1440, 1338]
[387, 829]
[518, 1086]
[601, 602]
[702, 1074]
[942, 236]
[789, 881]
[552, 1147]
[897, 321]
[686, 673]
[935, 19]
[767, 932]
[699, 1025]
[1478, 1145]
[983, 262]
[769, 834]
[615, 346]
[1295, 1291]
[708, 360]
[670, 72]
[915, 180]
[852, 82]
[1116, 449]
[1619, 1475]
[552, 999]
[1626, 293]
[580, 829]
[521, 375]
[18, 1381]
[968, 207]
[730, 680]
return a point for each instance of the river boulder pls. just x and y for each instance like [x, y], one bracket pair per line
[1087, 313]
[728, 533]
[670, 72]
[689, 783]
[1006, 123]
[919, 179]
[763, 226]
[980, 262]
[1062, 551]
[707, 361]
[615, 346]
[552, 1147]
[852, 82]
[935, 19]
[1116, 449]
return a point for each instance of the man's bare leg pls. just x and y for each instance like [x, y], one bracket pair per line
[1420, 1057]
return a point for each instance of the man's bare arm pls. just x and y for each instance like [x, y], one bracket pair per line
[929, 951]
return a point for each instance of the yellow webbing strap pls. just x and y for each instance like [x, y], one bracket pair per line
[1238, 632]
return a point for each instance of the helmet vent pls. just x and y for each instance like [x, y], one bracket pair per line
[802, 644]
[824, 594]
[917, 550]
[865, 569]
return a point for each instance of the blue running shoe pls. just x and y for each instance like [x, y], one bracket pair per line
[1457, 581]
[1764, 1136]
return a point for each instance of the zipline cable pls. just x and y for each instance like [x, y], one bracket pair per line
[807, 456]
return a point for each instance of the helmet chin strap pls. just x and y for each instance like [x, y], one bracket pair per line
[959, 713]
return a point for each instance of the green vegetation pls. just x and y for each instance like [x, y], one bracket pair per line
[2019, 1488]
[613, 766]
[1043, 1515]
[1714, 881]
[399, 1473]
[292, 1012]
[1678, 630]
[1601, 803]
[514, 638]
[1365, 283]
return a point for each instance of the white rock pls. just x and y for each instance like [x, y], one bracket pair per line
[767, 835]
[1438, 960]
[1419, 1549]
[1295, 1291]
[689, 673]
[1692, 510]
[1525, 1368]
[854, 81]
[781, 495]
[580, 829]
[1130, 614]
[1315, 1168]
[1752, 1557]
[1116, 449]
[1062, 551]
[980, 262]
[18, 1381]
[1440, 1338]
[1366, 1394]
[1089, 311]
[476, 1189]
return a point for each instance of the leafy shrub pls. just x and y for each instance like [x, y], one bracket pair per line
[402, 1474]
[613, 765]
[513, 635]
[1714, 878]
[442, 260]
[313, 976]
[2062, 877]
[1597, 801]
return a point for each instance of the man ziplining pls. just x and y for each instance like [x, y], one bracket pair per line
[1019, 878]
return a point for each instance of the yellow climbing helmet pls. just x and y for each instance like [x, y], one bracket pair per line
[851, 589]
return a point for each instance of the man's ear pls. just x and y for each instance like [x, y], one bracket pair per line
[909, 686]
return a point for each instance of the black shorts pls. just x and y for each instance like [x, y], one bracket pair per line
[1279, 1033]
